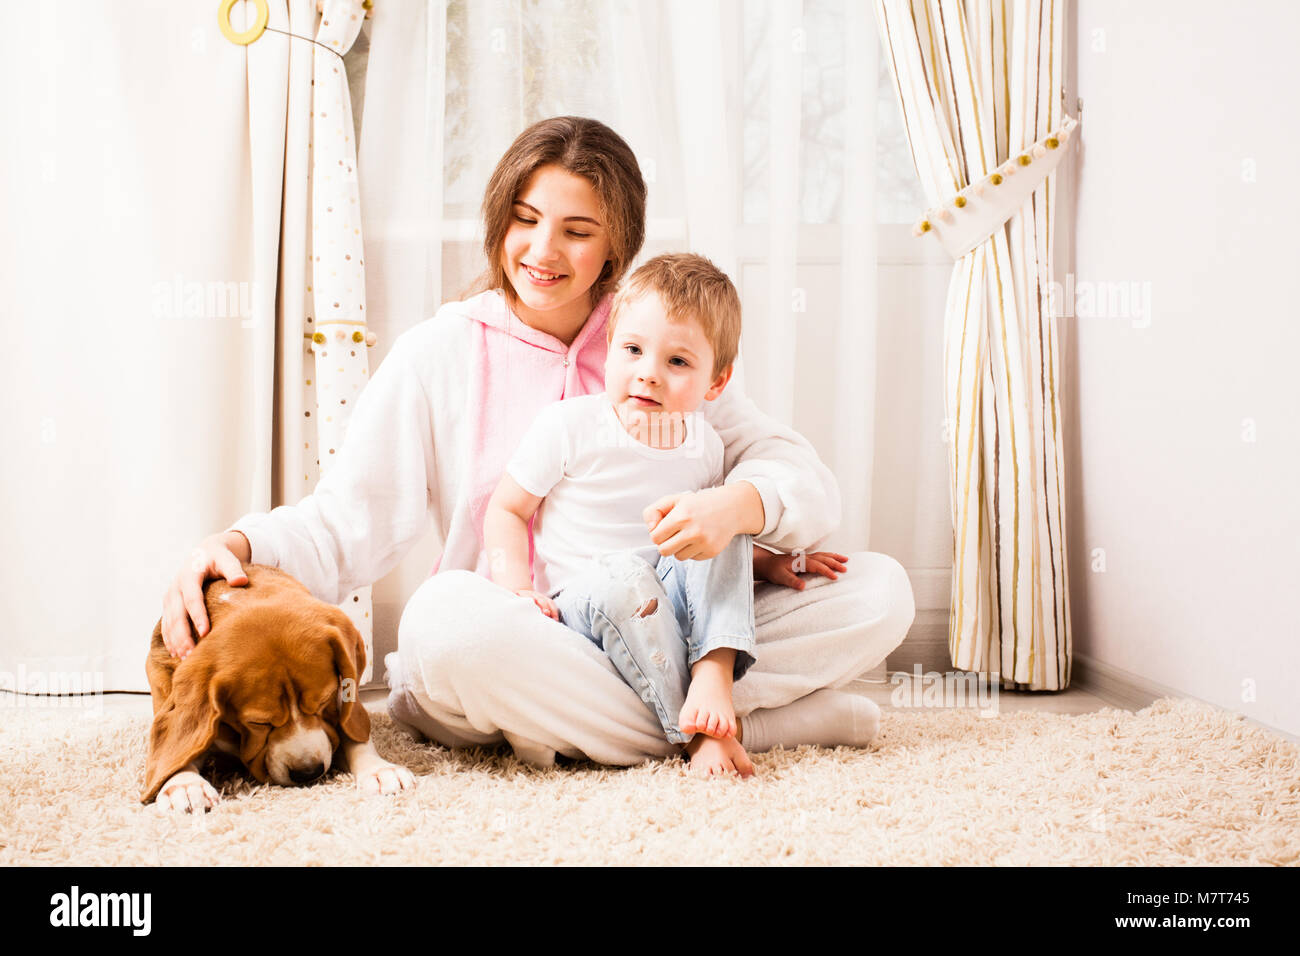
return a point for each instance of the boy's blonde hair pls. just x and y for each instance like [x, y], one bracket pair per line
[690, 288]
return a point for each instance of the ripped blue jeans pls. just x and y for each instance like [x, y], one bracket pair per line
[656, 621]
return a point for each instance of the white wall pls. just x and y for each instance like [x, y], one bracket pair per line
[1183, 453]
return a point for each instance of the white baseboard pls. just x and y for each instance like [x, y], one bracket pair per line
[931, 587]
[1129, 691]
[1117, 687]
[877, 675]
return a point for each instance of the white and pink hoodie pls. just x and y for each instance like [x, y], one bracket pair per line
[433, 430]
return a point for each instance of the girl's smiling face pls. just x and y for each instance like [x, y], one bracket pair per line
[554, 251]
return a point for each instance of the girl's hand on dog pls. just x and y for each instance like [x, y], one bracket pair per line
[183, 600]
[781, 568]
[544, 604]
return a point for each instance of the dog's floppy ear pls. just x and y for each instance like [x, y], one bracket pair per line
[350, 662]
[184, 728]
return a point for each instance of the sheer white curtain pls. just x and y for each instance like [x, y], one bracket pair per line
[139, 263]
[158, 282]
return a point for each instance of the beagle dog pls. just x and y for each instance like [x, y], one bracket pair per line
[274, 682]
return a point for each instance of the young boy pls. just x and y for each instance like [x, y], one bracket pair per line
[680, 631]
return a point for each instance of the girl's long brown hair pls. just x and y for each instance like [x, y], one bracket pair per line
[586, 148]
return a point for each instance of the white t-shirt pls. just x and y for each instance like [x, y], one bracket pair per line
[597, 479]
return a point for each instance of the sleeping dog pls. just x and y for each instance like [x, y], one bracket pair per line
[274, 683]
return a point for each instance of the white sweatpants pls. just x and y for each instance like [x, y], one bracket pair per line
[476, 665]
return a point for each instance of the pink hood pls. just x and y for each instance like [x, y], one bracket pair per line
[515, 370]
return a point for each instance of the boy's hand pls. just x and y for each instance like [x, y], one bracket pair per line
[697, 525]
[780, 568]
[544, 604]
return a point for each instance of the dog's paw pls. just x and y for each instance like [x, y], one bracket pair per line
[187, 792]
[385, 778]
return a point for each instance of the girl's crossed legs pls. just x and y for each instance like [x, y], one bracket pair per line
[477, 665]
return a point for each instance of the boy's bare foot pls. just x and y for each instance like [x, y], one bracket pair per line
[708, 708]
[711, 756]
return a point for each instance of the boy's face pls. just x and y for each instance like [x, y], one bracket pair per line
[656, 365]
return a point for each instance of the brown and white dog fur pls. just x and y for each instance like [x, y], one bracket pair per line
[275, 682]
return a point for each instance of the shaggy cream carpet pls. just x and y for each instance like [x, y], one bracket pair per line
[1177, 783]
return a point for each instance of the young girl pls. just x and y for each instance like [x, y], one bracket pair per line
[430, 437]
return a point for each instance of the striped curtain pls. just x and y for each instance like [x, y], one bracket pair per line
[979, 85]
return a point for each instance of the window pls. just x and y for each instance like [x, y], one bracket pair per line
[512, 62]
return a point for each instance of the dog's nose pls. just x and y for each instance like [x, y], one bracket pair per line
[306, 774]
